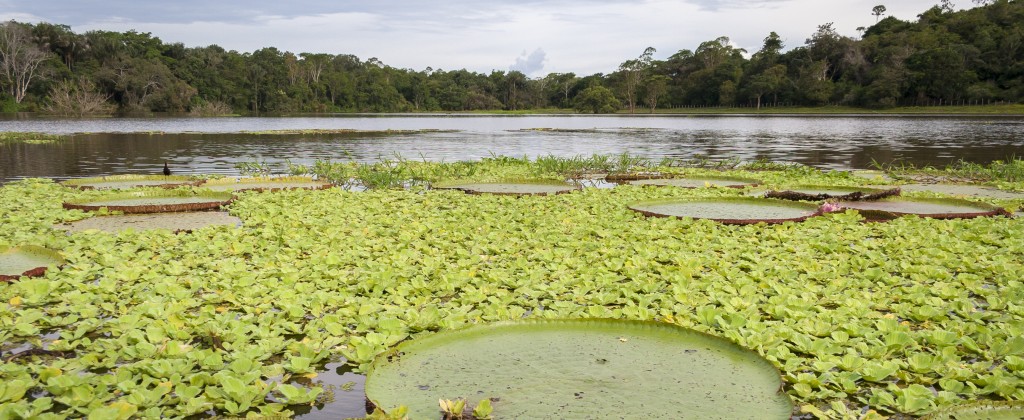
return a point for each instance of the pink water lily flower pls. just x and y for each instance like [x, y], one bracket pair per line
[830, 207]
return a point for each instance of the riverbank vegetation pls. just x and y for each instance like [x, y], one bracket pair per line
[865, 320]
[946, 57]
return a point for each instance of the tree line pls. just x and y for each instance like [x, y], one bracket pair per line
[945, 56]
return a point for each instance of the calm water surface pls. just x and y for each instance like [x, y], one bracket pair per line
[214, 145]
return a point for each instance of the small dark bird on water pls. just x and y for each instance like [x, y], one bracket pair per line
[167, 170]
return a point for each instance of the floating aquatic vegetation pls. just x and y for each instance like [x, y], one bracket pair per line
[730, 210]
[935, 208]
[579, 368]
[981, 410]
[175, 222]
[153, 201]
[265, 184]
[26, 260]
[698, 182]
[131, 181]
[516, 188]
[964, 190]
[824, 192]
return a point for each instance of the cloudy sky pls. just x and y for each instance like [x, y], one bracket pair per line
[534, 36]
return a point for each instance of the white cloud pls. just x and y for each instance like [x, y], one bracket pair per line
[530, 64]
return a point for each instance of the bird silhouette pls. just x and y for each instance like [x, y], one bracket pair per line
[167, 170]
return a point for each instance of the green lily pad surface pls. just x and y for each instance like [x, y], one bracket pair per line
[581, 368]
[821, 193]
[265, 184]
[964, 190]
[130, 181]
[730, 210]
[26, 261]
[936, 208]
[511, 188]
[697, 182]
[178, 222]
[985, 410]
[153, 201]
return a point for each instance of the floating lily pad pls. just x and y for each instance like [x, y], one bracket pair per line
[265, 184]
[178, 222]
[510, 187]
[983, 410]
[871, 174]
[582, 368]
[633, 176]
[965, 190]
[698, 182]
[821, 193]
[130, 181]
[154, 201]
[730, 210]
[26, 260]
[936, 208]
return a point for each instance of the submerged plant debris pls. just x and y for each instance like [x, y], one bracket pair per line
[862, 319]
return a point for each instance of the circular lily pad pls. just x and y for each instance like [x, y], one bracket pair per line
[698, 182]
[936, 208]
[154, 201]
[822, 193]
[510, 187]
[265, 184]
[983, 410]
[730, 210]
[26, 260]
[633, 176]
[177, 222]
[581, 368]
[130, 181]
[965, 190]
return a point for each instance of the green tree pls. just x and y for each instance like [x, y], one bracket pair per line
[597, 100]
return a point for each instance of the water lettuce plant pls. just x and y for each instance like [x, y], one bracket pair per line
[578, 368]
[509, 187]
[862, 319]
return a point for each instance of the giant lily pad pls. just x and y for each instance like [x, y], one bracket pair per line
[581, 368]
[153, 201]
[177, 222]
[821, 193]
[540, 187]
[26, 260]
[936, 208]
[965, 190]
[130, 181]
[698, 182]
[265, 184]
[982, 410]
[730, 210]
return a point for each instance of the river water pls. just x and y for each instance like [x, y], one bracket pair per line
[107, 146]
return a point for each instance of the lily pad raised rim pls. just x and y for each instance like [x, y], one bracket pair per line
[815, 209]
[449, 335]
[741, 182]
[636, 176]
[175, 181]
[461, 186]
[856, 193]
[33, 272]
[217, 200]
[314, 184]
[874, 215]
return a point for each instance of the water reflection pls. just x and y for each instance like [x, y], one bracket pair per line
[214, 145]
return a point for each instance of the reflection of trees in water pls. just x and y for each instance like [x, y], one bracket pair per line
[190, 153]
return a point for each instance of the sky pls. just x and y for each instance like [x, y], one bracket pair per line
[533, 36]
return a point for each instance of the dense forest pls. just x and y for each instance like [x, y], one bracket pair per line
[946, 56]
